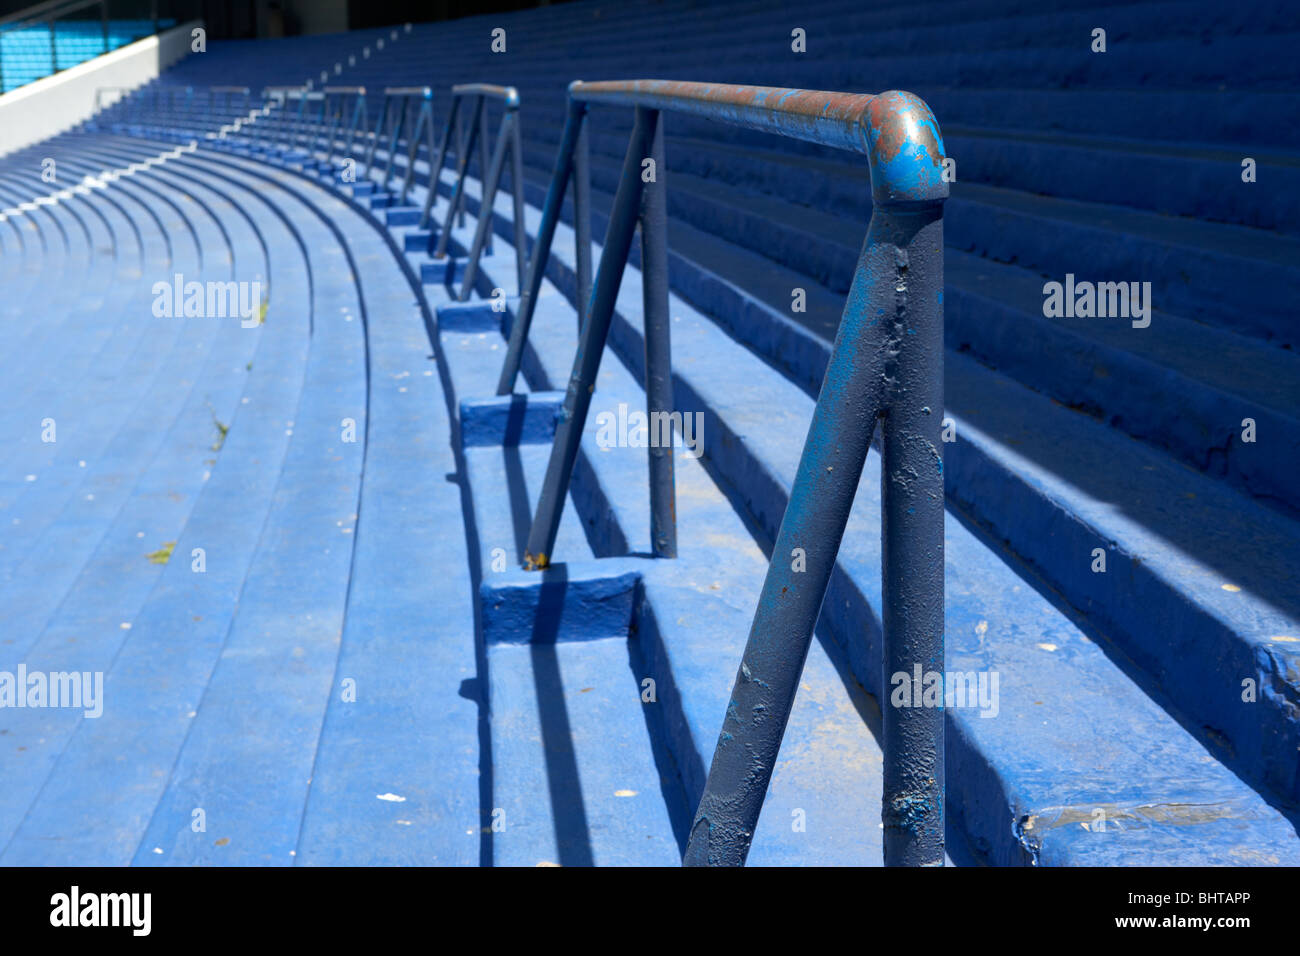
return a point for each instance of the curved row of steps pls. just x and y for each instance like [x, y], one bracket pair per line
[224, 691]
[1143, 714]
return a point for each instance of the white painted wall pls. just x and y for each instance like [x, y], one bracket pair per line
[51, 105]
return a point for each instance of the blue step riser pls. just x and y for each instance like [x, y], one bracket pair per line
[1243, 292]
[1167, 184]
[1197, 289]
[1198, 424]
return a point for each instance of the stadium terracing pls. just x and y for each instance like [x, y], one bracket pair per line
[414, 454]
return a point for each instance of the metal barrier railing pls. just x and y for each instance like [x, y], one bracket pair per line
[403, 98]
[276, 127]
[300, 135]
[167, 95]
[886, 368]
[226, 98]
[571, 162]
[335, 98]
[636, 201]
[508, 138]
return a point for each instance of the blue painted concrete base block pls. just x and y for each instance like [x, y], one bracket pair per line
[473, 316]
[577, 601]
[416, 240]
[445, 271]
[510, 419]
[401, 216]
[505, 439]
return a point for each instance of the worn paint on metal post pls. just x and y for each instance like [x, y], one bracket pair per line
[886, 363]
[657, 338]
[591, 344]
[574, 123]
[912, 534]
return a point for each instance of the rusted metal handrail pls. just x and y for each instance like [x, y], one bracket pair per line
[886, 368]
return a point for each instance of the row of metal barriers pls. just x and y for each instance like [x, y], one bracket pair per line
[885, 374]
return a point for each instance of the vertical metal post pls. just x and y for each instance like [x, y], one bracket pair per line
[398, 122]
[323, 129]
[423, 118]
[658, 350]
[300, 124]
[262, 129]
[889, 366]
[912, 535]
[435, 165]
[582, 221]
[483, 155]
[517, 198]
[334, 116]
[564, 159]
[358, 121]
[378, 132]
[490, 180]
[460, 150]
[458, 194]
[591, 345]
